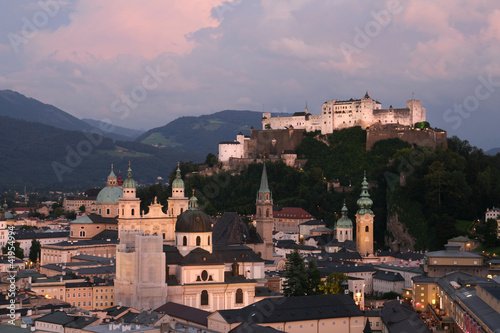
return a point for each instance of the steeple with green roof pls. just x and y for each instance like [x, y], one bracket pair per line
[178, 182]
[364, 202]
[129, 182]
[344, 221]
[264, 185]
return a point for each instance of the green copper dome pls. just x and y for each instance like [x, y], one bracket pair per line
[178, 182]
[344, 221]
[364, 202]
[111, 193]
[129, 182]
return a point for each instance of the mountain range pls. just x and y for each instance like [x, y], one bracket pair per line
[45, 147]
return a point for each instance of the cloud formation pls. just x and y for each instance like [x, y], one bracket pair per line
[268, 54]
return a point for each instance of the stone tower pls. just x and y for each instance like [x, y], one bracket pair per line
[177, 203]
[364, 221]
[264, 216]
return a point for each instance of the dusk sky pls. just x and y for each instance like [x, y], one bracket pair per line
[177, 58]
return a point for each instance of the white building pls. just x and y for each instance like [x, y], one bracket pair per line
[338, 114]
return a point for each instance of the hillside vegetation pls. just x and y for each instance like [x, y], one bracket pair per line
[441, 186]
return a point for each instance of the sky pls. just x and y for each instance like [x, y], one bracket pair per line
[142, 64]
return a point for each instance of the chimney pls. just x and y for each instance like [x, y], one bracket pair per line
[235, 269]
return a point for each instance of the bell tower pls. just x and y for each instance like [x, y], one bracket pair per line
[264, 215]
[177, 203]
[364, 221]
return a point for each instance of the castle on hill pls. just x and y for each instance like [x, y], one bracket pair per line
[338, 114]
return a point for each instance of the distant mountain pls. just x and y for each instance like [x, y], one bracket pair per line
[493, 151]
[202, 134]
[129, 133]
[16, 105]
[44, 157]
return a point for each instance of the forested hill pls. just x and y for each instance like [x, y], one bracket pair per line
[43, 157]
[203, 134]
[442, 185]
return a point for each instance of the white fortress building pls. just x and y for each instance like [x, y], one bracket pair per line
[337, 114]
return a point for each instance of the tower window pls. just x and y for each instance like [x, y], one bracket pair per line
[367, 229]
[204, 275]
[267, 212]
[132, 212]
[107, 211]
[204, 297]
[239, 296]
[208, 240]
[184, 241]
[198, 241]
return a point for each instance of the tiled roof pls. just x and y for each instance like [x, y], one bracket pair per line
[184, 312]
[388, 276]
[288, 309]
[293, 212]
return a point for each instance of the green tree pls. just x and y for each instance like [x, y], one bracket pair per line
[296, 278]
[490, 233]
[82, 209]
[211, 160]
[35, 250]
[333, 284]
[18, 251]
[314, 278]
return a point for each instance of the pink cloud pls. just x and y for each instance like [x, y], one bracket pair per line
[146, 29]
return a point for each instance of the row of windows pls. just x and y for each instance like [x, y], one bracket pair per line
[238, 300]
[198, 240]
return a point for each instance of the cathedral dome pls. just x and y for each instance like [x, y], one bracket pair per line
[193, 219]
[109, 195]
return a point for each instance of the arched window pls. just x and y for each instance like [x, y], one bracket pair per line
[184, 241]
[204, 297]
[239, 296]
[82, 233]
[182, 209]
[123, 211]
[208, 240]
[107, 211]
[260, 213]
[267, 212]
[198, 241]
[132, 212]
[367, 229]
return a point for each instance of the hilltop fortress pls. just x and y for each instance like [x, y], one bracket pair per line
[338, 114]
[280, 136]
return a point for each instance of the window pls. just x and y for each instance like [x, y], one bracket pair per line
[208, 240]
[239, 296]
[204, 275]
[198, 241]
[267, 212]
[184, 241]
[132, 212]
[367, 229]
[107, 211]
[204, 297]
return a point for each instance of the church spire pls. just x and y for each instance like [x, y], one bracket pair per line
[129, 182]
[264, 186]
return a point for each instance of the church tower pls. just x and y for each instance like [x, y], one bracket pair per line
[129, 205]
[364, 221]
[177, 203]
[264, 216]
[343, 228]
